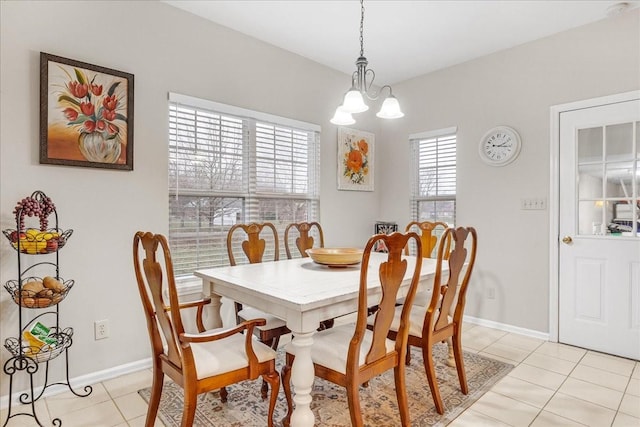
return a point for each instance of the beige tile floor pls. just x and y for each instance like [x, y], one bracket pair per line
[551, 385]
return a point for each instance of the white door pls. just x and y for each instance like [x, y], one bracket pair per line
[599, 248]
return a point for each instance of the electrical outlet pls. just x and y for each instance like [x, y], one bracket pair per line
[491, 293]
[101, 329]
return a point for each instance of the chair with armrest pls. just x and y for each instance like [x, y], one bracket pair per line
[441, 320]
[350, 355]
[252, 240]
[197, 362]
[301, 233]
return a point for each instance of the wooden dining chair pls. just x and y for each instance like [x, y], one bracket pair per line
[429, 232]
[301, 234]
[350, 355]
[441, 320]
[252, 240]
[304, 240]
[197, 362]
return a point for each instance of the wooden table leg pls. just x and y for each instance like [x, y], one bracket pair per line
[212, 311]
[451, 361]
[302, 375]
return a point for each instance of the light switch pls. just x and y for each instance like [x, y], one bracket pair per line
[533, 204]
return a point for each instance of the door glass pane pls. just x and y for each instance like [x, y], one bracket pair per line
[619, 180]
[590, 220]
[589, 145]
[619, 141]
[590, 181]
[622, 221]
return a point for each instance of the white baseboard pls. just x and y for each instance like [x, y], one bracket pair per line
[116, 371]
[79, 382]
[507, 328]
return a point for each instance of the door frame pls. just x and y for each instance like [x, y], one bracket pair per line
[554, 196]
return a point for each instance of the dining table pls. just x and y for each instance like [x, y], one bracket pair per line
[303, 293]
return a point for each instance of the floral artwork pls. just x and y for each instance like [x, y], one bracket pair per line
[355, 160]
[86, 114]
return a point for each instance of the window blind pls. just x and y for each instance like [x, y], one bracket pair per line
[434, 176]
[225, 169]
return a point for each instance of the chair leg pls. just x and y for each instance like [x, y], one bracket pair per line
[286, 385]
[408, 356]
[427, 354]
[223, 394]
[154, 400]
[264, 389]
[353, 397]
[273, 343]
[457, 352]
[190, 403]
[401, 394]
[274, 381]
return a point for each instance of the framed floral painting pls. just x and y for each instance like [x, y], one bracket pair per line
[355, 160]
[86, 114]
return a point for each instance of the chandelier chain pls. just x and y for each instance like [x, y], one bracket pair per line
[361, 27]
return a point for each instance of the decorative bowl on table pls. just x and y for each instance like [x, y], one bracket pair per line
[336, 257]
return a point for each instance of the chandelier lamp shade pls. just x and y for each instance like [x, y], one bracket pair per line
[361, 82]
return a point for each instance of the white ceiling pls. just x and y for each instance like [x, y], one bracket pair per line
[402, 39]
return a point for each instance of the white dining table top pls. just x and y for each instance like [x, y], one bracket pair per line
[300, 285]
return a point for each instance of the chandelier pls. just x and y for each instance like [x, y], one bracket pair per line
[361, 82]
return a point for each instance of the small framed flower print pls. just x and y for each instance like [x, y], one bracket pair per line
[355, 159]
[86, 114]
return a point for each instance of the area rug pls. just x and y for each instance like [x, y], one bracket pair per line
[245, 408]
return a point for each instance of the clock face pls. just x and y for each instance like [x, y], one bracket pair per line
[500, 146]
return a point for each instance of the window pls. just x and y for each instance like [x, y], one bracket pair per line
[229, 165]
[433, 195]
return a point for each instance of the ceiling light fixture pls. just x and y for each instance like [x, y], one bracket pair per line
[361, 82]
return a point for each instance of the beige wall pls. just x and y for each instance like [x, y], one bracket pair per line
[169, 50]
[515, 88]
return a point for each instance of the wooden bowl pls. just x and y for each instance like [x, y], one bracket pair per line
[336, 257]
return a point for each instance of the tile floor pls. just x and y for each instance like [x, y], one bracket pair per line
[551, 385]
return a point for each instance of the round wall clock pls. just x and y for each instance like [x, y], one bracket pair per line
[500, 146]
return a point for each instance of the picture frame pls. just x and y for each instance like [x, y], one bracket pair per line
[383, 227]
[86, 114]
[355, 160]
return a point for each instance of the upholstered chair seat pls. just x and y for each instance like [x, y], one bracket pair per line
[217, 357]
[331, 347]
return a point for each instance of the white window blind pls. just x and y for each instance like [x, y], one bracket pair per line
[225, 168]
[434, 176]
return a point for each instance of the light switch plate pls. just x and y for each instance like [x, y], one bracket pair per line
[539, 204]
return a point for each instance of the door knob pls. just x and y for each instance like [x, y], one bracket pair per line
[567, 240]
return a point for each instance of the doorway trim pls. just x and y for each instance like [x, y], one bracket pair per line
[554, 195]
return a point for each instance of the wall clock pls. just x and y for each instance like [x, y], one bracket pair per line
[500, 146]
